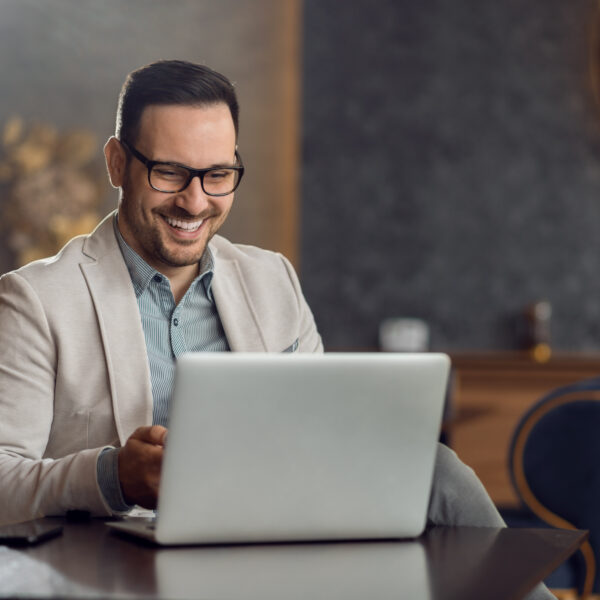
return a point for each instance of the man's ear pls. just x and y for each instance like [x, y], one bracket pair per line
[116, 161]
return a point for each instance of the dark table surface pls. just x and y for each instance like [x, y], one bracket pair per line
[90, 561]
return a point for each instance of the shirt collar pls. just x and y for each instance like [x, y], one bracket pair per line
[142, 273]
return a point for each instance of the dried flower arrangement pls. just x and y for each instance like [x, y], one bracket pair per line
[51, 189]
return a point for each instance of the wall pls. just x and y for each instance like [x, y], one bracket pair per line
[451, 151]
[451, 169]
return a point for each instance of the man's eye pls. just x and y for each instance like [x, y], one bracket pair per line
[219, 174]
[168, 172]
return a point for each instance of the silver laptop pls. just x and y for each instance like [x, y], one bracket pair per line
[280, 447]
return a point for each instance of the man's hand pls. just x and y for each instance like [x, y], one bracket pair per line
[140, 461]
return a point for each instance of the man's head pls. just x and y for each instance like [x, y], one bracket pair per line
[171, 82]
[175, 160]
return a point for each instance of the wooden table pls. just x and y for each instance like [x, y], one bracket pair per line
[89, 561]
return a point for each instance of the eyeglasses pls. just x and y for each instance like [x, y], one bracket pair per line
[172, 178]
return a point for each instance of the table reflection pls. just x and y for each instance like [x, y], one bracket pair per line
[333, 571]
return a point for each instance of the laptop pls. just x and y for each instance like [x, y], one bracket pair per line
[298, 447]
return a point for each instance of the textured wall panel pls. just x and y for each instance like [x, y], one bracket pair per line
[451, 169]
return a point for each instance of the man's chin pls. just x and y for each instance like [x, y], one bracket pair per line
[173, 260]
[181, 253]
[182, 256]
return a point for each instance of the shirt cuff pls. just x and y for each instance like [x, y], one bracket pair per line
[107, 471]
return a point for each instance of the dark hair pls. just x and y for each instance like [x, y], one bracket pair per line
[171, 82]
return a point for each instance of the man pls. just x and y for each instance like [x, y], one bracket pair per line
[89, 338]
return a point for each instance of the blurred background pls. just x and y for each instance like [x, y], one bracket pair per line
[62, 64]
[426, 160]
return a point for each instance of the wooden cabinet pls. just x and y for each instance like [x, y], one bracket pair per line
[491, 393]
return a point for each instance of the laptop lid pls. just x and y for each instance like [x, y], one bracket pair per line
[271, 447]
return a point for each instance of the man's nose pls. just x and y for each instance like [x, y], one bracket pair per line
[193, 199]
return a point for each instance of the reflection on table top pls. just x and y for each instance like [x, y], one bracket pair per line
[90, 561]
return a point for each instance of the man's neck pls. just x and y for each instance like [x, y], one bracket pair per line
[180, 280]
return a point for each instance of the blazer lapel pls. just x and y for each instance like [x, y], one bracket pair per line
[121, 330]
[235, 308]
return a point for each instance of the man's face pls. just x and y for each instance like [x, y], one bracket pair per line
[171, 230]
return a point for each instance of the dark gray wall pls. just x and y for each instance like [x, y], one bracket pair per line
[451, 169]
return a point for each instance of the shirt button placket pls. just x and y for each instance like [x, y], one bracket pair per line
[177, 339]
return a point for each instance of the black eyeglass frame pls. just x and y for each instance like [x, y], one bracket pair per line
[149, 164]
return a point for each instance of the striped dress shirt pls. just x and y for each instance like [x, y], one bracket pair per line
[193, 325]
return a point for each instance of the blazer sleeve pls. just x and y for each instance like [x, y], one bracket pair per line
[31, 485]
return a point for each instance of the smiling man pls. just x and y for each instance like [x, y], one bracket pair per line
[89, 338]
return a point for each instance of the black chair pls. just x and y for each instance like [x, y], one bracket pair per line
[555, 466]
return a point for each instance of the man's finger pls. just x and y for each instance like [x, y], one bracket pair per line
[156, 434]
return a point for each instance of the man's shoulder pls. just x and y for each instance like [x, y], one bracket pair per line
[60, 268]
[50, 266]
[223, 249]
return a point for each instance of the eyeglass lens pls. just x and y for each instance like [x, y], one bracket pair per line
[171, 178]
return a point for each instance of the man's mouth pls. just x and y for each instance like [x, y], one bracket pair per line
[184, 225]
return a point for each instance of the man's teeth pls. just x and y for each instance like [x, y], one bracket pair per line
[185, 225]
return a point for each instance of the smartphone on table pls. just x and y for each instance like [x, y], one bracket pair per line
[29, 532]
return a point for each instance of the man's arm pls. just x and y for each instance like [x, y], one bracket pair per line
[33, 485]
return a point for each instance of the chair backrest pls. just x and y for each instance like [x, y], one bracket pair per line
[555, 465]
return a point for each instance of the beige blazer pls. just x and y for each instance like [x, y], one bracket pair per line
[74, 374]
